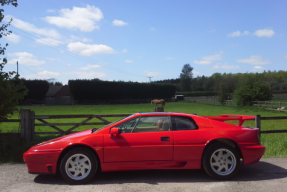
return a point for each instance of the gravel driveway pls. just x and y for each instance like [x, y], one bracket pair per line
[266, 175]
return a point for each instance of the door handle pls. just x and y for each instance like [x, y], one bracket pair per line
[164, 138]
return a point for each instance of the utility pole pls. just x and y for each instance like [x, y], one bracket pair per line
[17, 68]
[149, 78]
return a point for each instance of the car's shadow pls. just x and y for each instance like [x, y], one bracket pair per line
[255, 172]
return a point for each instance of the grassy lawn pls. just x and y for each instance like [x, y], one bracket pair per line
[276, 143]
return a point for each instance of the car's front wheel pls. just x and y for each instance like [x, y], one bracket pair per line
[221, 161]
[78, 166]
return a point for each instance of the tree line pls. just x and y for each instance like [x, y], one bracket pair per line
[276, 80]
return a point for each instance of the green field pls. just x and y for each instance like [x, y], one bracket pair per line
[276, 143]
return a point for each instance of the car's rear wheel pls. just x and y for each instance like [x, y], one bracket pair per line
[221, 161]
[78, 166]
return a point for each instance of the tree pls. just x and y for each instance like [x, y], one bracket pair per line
[222, 94]
[12, 89]
[185, 77]
[250, 89]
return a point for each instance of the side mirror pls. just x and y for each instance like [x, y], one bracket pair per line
[114, 132]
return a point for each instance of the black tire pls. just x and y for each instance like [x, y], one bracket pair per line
[221, 161]
[78, 166]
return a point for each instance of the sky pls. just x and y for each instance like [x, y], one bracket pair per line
[132, 40]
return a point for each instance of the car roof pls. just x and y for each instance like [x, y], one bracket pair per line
[162, 113]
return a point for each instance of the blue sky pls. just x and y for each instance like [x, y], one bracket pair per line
[130, 40]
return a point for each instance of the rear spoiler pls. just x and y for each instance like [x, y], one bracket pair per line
[240, 118]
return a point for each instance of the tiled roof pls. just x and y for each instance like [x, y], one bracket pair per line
[53, 90]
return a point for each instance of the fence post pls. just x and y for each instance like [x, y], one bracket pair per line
[158, 109]
[258, 123]
[32, 128]
[27, 124]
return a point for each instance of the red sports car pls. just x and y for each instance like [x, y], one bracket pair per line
[151, 141]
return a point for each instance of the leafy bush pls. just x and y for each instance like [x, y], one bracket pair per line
[252, 89]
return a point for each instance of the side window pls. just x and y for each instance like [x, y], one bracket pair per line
[128, 126]
[183, 123]
[152, 124]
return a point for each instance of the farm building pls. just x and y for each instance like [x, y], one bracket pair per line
[59, 95]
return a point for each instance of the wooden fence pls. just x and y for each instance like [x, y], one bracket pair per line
[28, 124]
[272, 105]
[87, 102]
[29, 121]
[211, 100]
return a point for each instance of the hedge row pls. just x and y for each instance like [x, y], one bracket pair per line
[197, 93]
[109, 90]
[37, 89]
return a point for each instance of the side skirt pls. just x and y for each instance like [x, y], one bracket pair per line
[150, 165]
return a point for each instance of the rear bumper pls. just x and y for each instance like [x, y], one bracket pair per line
[41, 162]
[252, 153]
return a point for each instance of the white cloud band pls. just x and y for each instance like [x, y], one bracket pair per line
[82, 18]
[89, 49]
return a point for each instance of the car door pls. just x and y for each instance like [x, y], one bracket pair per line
[188, 140]
[144, 138]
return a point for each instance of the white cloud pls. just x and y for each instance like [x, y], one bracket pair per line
[202, 62]
[238, 33]
[13, 38]
[208, 59]
[31, 28]
[151, 73]
[169, 58]
[225, 66]
[213, 57]
[21, 54]
[89, 49]
[48, 73]
[257, 69]
[51, 11]
[87, 75]
[90, 67]
[124, 50]
[48, 41]
[82, 18]
[152, 29]
[119, 23]
[128, 61]
[258, 33]
[254, 60]
[195, 72]
[54, 59]
[42, 75]
[25, 58]
[83, 39]
[264, 33]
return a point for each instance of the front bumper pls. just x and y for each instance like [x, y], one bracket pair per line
[252, 153]
[44, 162]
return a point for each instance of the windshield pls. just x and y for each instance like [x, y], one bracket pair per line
[95, 129]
